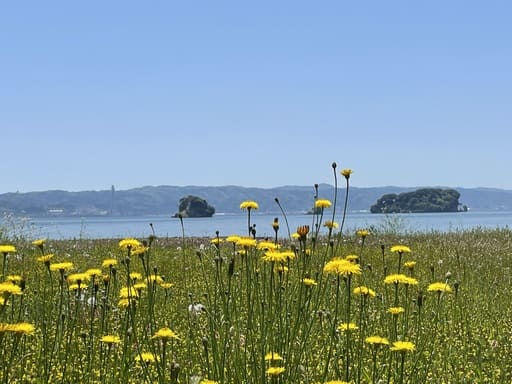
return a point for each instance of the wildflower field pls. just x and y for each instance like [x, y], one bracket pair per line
[319, 306]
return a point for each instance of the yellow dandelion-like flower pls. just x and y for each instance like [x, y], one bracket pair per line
[362, 233]
[275, 371]
[9, 288]
[61, 267]
[410, 281]
[376, 340]
[309, 282]
[140, 250]
[249, 204]
[396, 278]
[207, 381]
[45, 258]
[140, 286]
[2, 301]
[216, 241]
[322, 203]
[347, 327]
[274, 256]
[129, 243]
[15, 278]
[153, 278]
[108, 263]
[403, 346]
[78, 278]
[273, 356]
[110, 339]
[352, 258]
[410, 264]
[295, 235]
[439, 287]
[267, 245]
[280, 268]
[75, 286]
[395, 311]
[5, 249]
[364, 291]
[123, 302]
[233, 239]
[336, 382]
[39, 242]
[135, 276]
[19, 328]
[346, 173]
[166, 334]
[331, 224]
[146, 357]
[246, 242]
[125, 292]
[93, 272]
[166, 285]
[342, 267]
[400, 249]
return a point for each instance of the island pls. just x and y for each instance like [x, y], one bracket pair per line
[193, 206]
[421, 200]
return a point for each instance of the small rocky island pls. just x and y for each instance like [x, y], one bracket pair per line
[421, 200]
[193, 206]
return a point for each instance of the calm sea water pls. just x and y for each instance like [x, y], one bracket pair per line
[140, 227]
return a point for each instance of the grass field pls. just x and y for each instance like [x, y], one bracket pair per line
[322, 307]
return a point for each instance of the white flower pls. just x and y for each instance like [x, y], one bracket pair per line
[196, 309]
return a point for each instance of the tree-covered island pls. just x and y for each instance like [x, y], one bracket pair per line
[421, 200]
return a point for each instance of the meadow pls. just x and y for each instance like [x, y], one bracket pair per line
[319, 306]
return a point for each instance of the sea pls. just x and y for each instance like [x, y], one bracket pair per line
[60, 228]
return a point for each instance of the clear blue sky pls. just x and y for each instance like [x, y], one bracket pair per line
[263, 94]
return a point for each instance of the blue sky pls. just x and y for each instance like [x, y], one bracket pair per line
[263, 94]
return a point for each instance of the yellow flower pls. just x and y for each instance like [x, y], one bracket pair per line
[295, 235]
[129, 244]
[352, 258]
[396, 310]
[135, 276]
[93, 272]
[45, 258]
[107, 263]
[249, 204]
[9, 288]
[336, 382]
[439, 287]
[273, 356]
[15, 278]
[125, 292]
[166, 285]
[140, 286]
[309, 282]
[75, 286]
[403, 346]
[39, 242]
[267, 245]
[377, 340]
[364, 291]
[216, 241]
[232, 239]
[123, 302]
[110, 339]
[140, 250]
[347, 327]
[207, 381]
[303, 231]
[166, 334]
[275, 371]
[155, 279]
[78, 278]
[396, 278]
[19, 328]
[331, 224]
[61, 267]
[346, 173]
[274, 256]
[322, 203]
[146, 357]
[246, 242]
[5, 249]
[400, 249]
[410, 264]
[342, 267]
[362, 233]
[410, 281]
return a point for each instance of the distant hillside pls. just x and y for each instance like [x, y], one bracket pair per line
[164, 200]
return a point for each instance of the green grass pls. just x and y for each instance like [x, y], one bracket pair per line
[251, 309]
